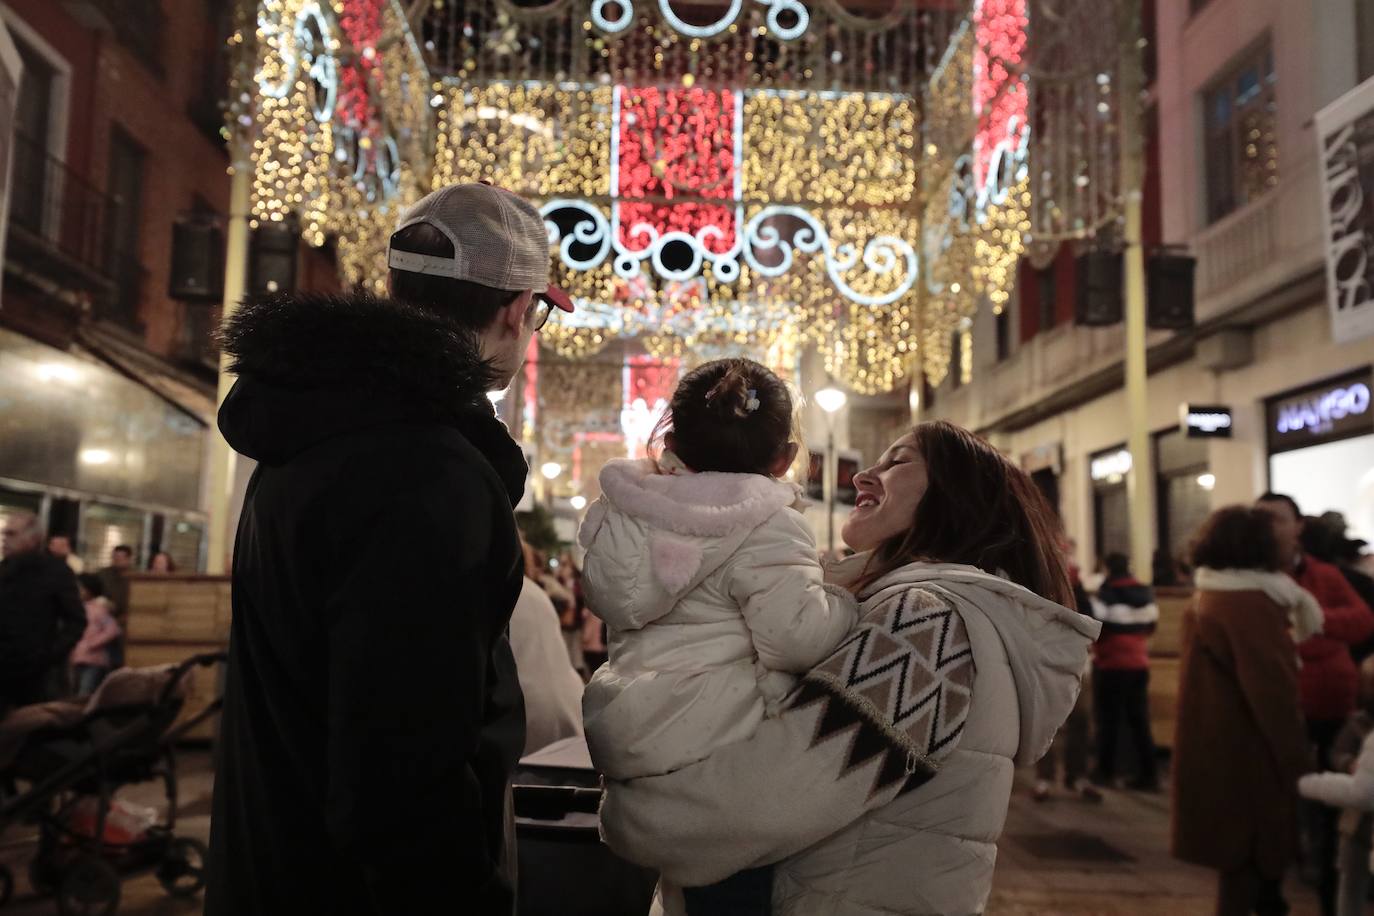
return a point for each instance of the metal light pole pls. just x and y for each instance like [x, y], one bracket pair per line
[222, 457]
[1132, 183]
[830, 400]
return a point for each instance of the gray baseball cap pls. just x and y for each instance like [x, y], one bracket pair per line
[499, 240]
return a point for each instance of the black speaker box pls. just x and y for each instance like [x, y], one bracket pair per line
[272, 266]
[197, 260]
[1169, 281]
[1098, 299]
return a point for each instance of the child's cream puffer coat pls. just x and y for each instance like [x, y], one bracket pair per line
[713, 595]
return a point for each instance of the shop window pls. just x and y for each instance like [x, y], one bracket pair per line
[105, 527]
[1111, 506]
[1046, 281]
[1241, 134]
[125, 186]
[1183, 491]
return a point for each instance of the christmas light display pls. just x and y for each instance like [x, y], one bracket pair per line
[782, 176]
[340, 136]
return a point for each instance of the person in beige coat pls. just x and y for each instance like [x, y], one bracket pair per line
[1240, 746]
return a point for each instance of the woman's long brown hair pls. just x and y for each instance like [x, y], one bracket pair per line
[980, 510]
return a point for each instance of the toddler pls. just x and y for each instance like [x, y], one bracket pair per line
[90, 658]
[707, 577]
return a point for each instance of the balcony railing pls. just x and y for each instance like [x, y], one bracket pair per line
[55, 206]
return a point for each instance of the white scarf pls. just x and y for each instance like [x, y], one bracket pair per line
[1303, 611]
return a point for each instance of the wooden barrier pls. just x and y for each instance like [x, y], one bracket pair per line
[1165, 647]
[172, 618]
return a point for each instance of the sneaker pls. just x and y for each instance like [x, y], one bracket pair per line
[1041, 792]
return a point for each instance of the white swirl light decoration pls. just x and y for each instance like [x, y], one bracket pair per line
[612, 26]
[725, 265]
[700, 31]
[809, 238]
[323, 68]
[793, 6]
[882, 255]
[592, 229]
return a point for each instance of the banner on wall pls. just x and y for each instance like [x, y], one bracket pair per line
[1345, 132]
[10, 68]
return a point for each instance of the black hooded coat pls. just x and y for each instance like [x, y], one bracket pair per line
[372, 713]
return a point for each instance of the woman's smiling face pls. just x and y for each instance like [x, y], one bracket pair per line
[889, 493]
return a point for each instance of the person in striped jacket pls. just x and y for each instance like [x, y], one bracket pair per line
[1121, 672]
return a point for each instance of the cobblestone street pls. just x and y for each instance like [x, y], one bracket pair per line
[1064, 856]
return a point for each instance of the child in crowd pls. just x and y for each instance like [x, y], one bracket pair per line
[708, 580]
[91, 657]
[1351, 786]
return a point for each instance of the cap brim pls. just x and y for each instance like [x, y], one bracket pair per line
[558, 297]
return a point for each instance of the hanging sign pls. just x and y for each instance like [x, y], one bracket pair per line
[1205, 421]
[1336, 409]
[1345, 131]
[1110, 467]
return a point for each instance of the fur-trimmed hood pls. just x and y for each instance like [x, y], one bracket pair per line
[312, 367]
[357, 342]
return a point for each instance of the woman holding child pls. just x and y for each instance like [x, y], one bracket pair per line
[798, 764]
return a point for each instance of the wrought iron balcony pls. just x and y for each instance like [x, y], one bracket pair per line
[61, 241]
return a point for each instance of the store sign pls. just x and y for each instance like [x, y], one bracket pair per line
[1345, 130]
[1334, 410]
[1111, 467]
[1206, 421]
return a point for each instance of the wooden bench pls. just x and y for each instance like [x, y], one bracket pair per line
[176, 616]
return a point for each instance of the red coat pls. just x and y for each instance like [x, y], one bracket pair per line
[1239, 747]
[1328, 681]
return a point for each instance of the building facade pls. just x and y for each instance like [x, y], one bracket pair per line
[1234, 179]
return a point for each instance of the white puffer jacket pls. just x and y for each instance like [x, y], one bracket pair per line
[927, 849]
[711, 590]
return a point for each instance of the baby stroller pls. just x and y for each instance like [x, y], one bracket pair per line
[72, 756]
[564, 870]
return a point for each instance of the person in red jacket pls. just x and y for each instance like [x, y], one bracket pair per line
[1121, 672]
[1328, 682]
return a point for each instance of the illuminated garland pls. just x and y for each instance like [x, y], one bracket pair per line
[340, 133]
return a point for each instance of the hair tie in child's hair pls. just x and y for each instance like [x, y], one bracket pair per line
[752, 404]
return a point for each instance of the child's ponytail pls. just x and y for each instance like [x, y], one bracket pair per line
[730, 415]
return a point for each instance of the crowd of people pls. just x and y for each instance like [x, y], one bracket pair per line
[62, 629]
[776, 734]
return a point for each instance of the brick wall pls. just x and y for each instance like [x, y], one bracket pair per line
[181, 162]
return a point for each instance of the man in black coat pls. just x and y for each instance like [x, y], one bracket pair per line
[372, 712]
[41, 615]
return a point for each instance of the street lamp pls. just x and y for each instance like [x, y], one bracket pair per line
[578, 503]
[830, 400]
[550, 470]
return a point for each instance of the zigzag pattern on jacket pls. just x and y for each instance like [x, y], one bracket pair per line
[899, 688]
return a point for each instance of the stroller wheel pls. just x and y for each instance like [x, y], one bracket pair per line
[90, 887]
[182, 872]
[43, 875]
[6, 885]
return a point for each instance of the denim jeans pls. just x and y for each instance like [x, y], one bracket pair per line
[88, 677]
